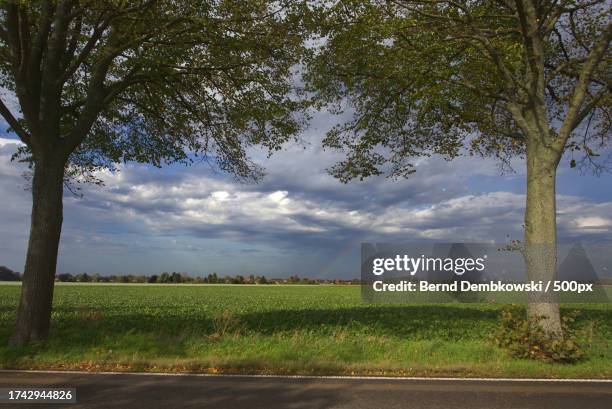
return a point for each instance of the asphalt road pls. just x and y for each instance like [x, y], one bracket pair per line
[168, 392]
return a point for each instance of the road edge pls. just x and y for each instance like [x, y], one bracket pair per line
[331, 377]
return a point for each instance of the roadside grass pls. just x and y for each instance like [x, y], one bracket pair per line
[322, 330]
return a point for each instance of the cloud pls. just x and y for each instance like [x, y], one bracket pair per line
[297, 220]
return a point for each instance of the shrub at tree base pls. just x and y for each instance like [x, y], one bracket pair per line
[523, 339]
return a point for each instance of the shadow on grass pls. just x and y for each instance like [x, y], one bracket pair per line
[416, 322]
[166, 332]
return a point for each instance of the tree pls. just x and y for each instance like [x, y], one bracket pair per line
[501, 78]
[82, 278]
[65, 277]
[100, 83]
[6, 274]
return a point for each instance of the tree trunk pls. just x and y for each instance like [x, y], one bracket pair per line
[541, 232]
[34, 311]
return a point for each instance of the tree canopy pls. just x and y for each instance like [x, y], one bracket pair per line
[432, 76]
[155, 81]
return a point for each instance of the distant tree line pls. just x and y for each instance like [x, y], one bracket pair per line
[184, 278]
[6, 274]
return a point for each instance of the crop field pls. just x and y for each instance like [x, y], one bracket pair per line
[280, 329]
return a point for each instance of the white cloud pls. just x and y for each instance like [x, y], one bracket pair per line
[199, 202]
[221, 195]
[5, 141]
[593, 222]
[183, 218]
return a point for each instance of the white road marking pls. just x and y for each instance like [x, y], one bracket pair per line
[347, 377]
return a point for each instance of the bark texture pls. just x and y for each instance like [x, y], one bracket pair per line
[541, 232]
[34, 311]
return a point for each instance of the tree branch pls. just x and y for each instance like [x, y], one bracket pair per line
[574, 114]
[13, 123]
[86, 51]
[589, 107]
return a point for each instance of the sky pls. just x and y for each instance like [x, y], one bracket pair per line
[297, 220]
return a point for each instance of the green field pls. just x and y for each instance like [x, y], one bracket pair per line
[279, 329]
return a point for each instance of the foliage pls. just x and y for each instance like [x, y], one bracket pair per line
[415, 78]
[524, 339]
[153, 81]
[223, 324]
